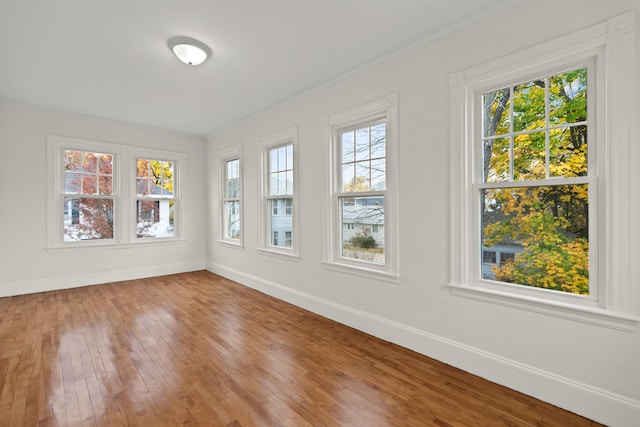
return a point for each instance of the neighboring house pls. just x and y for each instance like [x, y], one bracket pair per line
[496, 256]
[364, 218]
[154, 217]
[281, 222]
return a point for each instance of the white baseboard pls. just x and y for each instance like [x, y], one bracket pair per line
[31, 286]
[591, 402]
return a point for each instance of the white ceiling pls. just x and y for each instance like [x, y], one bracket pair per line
[110, 58]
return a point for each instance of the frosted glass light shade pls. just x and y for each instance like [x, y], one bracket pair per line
[188, 50]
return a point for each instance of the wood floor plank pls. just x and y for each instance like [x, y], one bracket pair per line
[198, 349]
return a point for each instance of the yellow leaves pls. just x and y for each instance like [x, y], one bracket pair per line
[564, 267]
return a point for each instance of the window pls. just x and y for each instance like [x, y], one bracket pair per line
[88, 196]
[230, 166]
[489, 257]
[529, 165]
[506, 257]
[278, 220]
[155, 202]
[106, 194]
[362, 228]
[363, 166]
[232, 200]
[535, 186]
[280, 192]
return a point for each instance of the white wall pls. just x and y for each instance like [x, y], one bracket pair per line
[25, 265]
[588, 369]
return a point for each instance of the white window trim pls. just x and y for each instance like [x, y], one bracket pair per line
[266, 143]
[224, 156]
[612, 44]
[124, 230]
[381, 109]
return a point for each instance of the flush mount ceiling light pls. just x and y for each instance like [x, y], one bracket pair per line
[188, 50]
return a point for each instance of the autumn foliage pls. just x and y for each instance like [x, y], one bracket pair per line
[533, 133]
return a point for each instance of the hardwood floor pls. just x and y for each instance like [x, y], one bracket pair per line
[197, 349]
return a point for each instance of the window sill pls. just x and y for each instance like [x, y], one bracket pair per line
[369, 273]
[80, 246]
[231, 244]
[289, 256]
[593, 316]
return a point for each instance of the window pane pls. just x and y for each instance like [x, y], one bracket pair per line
[232, 188]
[273, 160]
[232, 220]
[273, 184]
[282, 158]
[495, 112]
[282, 183]
[568, 97]
[359, 240]
[142, 187]
[154, 218]
[89, 162]
[105, 164]
[289, 157]
[105, 185]
[348, 177]
[347, 147]
[362, 144]
[72, 183]
[88, 219]
[289, 179]
[154, 189]
[496, 160]
[281, 223]
[233, 169]
[89, 184]
[529, 156]
[72, 160]
[545, 229]
[378, 141]
[363, 171]
[378, 174]
[528, 107]
[142, 168]
[568, 152]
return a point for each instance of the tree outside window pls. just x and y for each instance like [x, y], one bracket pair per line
[534, 192]
[88, 196]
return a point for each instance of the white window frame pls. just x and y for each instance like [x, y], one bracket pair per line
[156, 198]
[265, 241]
[124, 189]
[224, 156]
[380, 110]
[611, 109]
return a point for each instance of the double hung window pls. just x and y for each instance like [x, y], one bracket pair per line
[278, 220]
[155, 198]
[362, 227]
[230, 166]
[89, 195]
[362, 192]
[532, 166]
[537, 189]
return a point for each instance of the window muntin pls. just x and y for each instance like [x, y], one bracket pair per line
[535, 188]
[280, 193]
[231, 200]
[88, 195]
[155, 198]
[362, 166]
